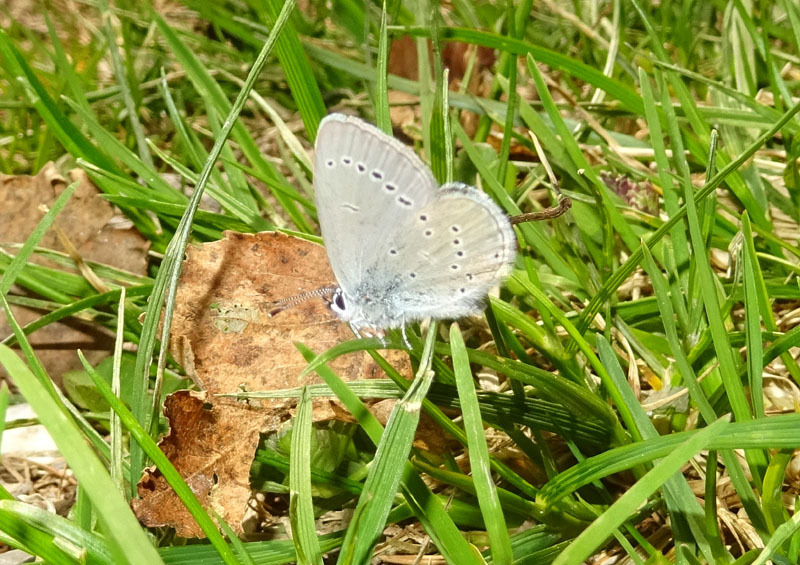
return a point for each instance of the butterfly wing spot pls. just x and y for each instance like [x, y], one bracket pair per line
[389, 187]
[463, 290]
[469, 276]
[404, 201]
[347, 160]
[377, 175]
[423, 218]
[454, 267]
[456, 242]
[460, 253]
[330, 163]
[412, 275]
[455, 229]
[393, 252]
[428, 233]
[361, 167]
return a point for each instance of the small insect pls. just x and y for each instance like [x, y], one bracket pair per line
[402, 248]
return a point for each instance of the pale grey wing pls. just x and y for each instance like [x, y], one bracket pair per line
[459, 247]
[367, 186]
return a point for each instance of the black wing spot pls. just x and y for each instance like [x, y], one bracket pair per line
[393, 252]
[428, 233]
[454, 267]
[423, 217]
[347, 160]
[377, 175]
[412, 275]
[469, 276]
[361, 167]
[455, 229]
[456, 242]
[404, 201]
[496, 255]
[463, 290]
[460, 253]
[330, 163]
[389, 187]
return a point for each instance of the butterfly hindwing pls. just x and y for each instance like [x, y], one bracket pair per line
[457, 248]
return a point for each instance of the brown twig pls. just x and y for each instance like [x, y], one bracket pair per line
[564, 204]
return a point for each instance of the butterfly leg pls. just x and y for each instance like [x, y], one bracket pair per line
[403, 331]
[355, 330]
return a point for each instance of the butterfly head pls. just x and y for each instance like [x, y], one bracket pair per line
[341, 305]
[365, 314]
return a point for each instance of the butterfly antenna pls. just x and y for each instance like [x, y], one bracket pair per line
[286, 303]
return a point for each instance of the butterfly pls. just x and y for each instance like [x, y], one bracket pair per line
[402, 248]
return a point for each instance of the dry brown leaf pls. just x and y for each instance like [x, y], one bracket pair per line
[85, 221]
[455, 57]
[221, 315]
[204, 444]
[225, 339]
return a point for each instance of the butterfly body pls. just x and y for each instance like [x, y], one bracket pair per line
[401, 247]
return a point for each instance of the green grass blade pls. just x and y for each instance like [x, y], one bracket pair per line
[171, 475]
[579, 162]
[680, 246]
[295, 64]
[374, 504]
[783, 534]
[594, 536]
[661, 291]
[625, 270]
[66, 133]
[127, 96]
[485, 489]
[753, 309]
[216, 102]
[681, 502]
[614, 88]
[116, 389]
[18, 263]
[126, 538]
[166, 283]
[382, 117]
[88, 546]
[301, 508]
[425, 505]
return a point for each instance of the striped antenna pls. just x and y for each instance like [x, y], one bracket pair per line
[286, 303]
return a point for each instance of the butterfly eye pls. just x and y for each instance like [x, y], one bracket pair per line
[338, 301]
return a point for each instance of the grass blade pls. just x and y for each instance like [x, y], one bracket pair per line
[301, 508]
[492, 511]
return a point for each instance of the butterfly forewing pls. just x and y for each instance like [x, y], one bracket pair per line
[365, 184]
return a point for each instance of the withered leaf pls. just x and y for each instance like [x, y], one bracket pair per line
[223, 335]
[203, 444]
[87, 222]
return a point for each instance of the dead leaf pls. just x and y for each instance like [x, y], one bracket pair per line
[87, 222]
[223, 302]
[204, 445]
[225, 339]
[455, 57]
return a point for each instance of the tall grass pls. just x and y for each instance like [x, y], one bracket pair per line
[621, 398]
